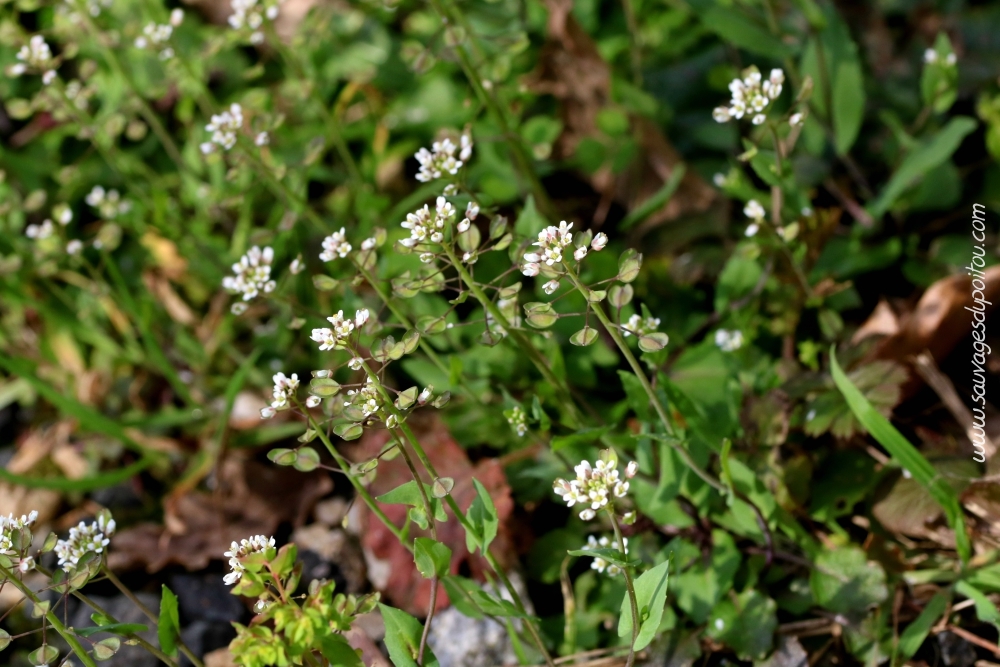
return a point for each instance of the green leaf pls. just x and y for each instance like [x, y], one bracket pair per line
[651, 596]
[986, 611]
[460, 593]
[657, 201]
[494, 606]
[922, 159]
[402, 638]
[404, 494]
[906, 454]
[106, 648]
[338, 652]
[845, 582]
[114, 628]
[483, 517]
[746, 623]
[530, 221]
[732, 26]
[169, 627]
[613, 556]
[433, 558]
[917, 631]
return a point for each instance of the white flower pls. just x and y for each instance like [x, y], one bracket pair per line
[600, 564]
[795, 120]
[268, 412]
[369, 243]
[244, 548]
[74, 247]
[250, 15]
[26, 565]
[63, 214]
[84, 538]
[951, 59]
[176, 17]
[297, 265]
[594, 485]
[599, 242]
[464, 225]
[425, 395]
[49, 77]
[360, 317]
[252, 274]
[754, 210]
[40, 232]
[640, 326]
[587, 514]
[109, 204]
[471, 210]
[531, 269]
[441, 160]
[36, 55]
[391, 421]
[930, 56]
[751, 94]
[262, 139]
[355, 363]
[335, 245]
[631, 469]
[313, 401]
[752, 229]
[518, 421]
[426, 227]
[284, 390]
[551, 241]
[580, 253]
[729, 341]
[225, 126]
[550, 286]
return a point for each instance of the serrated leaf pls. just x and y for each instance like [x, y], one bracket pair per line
[845, 582]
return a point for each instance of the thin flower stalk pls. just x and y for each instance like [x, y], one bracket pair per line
[629, 586]
[53, 619]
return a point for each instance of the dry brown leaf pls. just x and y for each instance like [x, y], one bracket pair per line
[250, 498]
[572, 70]
[170, 262]
[937, 323]
[397, 577]
[219, 658]
[160, 287]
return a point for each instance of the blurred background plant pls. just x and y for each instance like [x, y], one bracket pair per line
[189, 193]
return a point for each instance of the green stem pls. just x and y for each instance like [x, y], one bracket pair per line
[522, 159]
[345, 465]
[52, 618]
[629, 585]
[148, 613]
[519, 338]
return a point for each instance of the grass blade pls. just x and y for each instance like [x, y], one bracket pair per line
[906, 455]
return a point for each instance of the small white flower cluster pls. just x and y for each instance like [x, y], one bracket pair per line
[551, 242]
[751, 95]
[427, 227]
[332, 339]
[253, 276]
[284, 390]
[729, 341]
[157, 35]
[251, 14]
[595, 485]
[109, 204]
[441, 159]
[369, 400]
[931, 57]
[640, 326]
[224, 128]
[244, 548]
[518, 421]
[9, 525]
[35, 55]
[335, 245]
[755, 212]
[84, 538]
[40, 232]
[600, 564]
